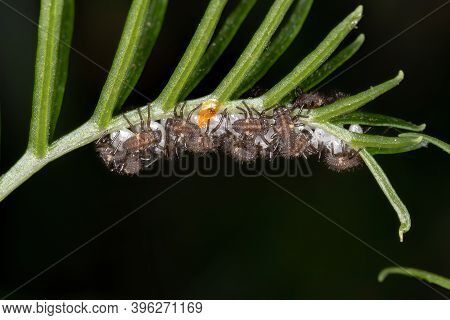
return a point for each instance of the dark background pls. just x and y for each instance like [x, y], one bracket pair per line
[221, 238]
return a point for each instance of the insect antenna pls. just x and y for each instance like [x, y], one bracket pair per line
[129, 122]
[149, 116]
[224, 114]
[250, 113]
[244, 112]
[175, 111]
[191, 113]
[140, 117]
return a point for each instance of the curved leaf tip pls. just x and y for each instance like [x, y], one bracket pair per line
[438, 143]
[415, 273]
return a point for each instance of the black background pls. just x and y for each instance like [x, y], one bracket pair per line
[225, 237]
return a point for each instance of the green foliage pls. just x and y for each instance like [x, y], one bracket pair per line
[333, 64]
[376, 120]
[52, 62]
[170, 94]
[389, 191]
[349, 104]
[278, 46]
[218, 45]
[140, 32]
[415, 273]
[314, 60]
[252, 52]
[438, 143]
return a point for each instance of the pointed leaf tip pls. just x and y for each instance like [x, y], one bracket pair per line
[415, 273]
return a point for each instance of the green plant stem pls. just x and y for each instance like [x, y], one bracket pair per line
[438, 143]
[389, 191]
[171, 93]
[358, 140]
[333, 64]
[29, 164]
[277, 46]
[253, 51]
[314, 60]
[377, 151]
[416, 273]
[218, 45]
[374, 120]
[353, 103]
[54, 37]
[139, 35]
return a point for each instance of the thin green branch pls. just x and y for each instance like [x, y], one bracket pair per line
[353, 103]
[171, 93]
[277, 47]
[388, 189]
[438, 143]
[138, 38]
[314, 60]
[54, 37]
[415, 273]
[29, 164]
[333, 64]
[63, 62]
[376, 120]
[377, 151]
[253, 51]
[375, 141]
[218, 45]
[358, 140]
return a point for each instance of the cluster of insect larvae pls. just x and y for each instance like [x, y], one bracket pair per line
[245, 136]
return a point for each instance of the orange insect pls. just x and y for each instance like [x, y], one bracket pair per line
[208, 110]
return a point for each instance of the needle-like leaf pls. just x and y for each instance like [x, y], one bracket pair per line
[376, 151]
[376, 120]
[358, 140]
[253, 51]
[218, 45]
[416, 273]
[278, 46]
[375, 141]
[386, 186]
[350, 104]
[141, 30]
[314, 60]
[52, 62]
[333, 64]
[197, 47]
[438, 143]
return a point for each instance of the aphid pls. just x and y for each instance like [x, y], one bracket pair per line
[240, 148]
[180, 131]
[132, 164]
[145, 139]
[343, 161]
[286, 140]
[115, 157]
[205, 142]
[251, 126]
[283, 125]
[111, 156]
[313, 100]
[296, 145]
[128, 151]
